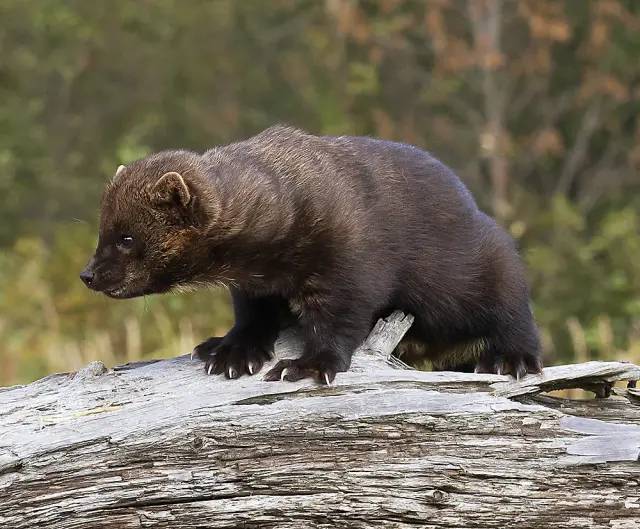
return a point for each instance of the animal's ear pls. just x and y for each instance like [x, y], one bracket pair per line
[119, 171]
[171, 189]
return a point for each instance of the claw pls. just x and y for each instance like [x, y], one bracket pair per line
[193, 354]
[326, 379]
[250, 368]
[210, 370]
[232, 372]
[283, 374]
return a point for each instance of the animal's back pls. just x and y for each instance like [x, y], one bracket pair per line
[412, 211]
[411, 192]
[416, 235]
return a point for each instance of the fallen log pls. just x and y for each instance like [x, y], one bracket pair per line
[161, 444]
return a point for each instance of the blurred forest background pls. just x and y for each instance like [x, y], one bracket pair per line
[535, 103]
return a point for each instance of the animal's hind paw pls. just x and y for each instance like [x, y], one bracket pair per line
[518, 366]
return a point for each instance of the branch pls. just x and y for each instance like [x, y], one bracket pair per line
[575, 158]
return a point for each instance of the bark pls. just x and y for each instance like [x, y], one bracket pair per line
[160, 444]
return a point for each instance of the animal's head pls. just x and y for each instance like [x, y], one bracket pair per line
[152, 214]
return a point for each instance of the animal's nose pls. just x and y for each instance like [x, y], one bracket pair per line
[87, 277]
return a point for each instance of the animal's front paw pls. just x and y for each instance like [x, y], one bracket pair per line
[232, 356]
[517, 365]
[321, 371]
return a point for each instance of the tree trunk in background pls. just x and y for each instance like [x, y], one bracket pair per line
[486, 21]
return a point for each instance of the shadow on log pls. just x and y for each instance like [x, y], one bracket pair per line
[160, 444]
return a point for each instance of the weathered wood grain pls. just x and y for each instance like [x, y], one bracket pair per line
[160, 444]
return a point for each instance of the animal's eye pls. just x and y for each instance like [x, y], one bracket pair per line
[126, 241]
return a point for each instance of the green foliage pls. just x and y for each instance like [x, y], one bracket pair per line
[534, 103]
[585, 279]
[51, 322]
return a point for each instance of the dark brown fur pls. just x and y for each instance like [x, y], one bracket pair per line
[330, 232]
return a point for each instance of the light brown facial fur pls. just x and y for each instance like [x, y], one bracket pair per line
[150, 220]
